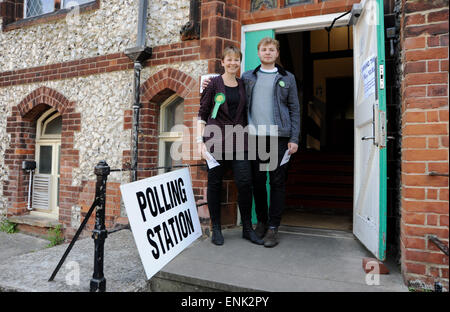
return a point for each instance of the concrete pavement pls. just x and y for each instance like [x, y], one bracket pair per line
[305, 260]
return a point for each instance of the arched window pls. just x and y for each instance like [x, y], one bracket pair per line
[170, 131]
[48, 150]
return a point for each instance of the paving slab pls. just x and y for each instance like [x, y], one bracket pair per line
[30, 272]
[18, 243]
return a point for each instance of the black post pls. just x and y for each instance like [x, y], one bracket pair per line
[99, 234]
[136, 108]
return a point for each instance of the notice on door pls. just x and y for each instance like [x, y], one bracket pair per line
[163, 217]
[368, 74]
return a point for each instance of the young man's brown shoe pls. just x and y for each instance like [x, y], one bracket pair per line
[271, 238]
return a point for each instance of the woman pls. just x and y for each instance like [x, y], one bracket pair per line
[223, 103]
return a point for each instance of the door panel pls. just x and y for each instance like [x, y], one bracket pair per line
[251, 60]
[42, 192]
[45, 159]
[369, 216]
[46, 180]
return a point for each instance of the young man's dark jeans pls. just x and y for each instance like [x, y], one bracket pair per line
[242, 178]
[277, 183]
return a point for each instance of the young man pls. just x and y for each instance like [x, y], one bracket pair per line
[272, 100]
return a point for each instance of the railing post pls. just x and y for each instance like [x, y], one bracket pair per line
[99, 234]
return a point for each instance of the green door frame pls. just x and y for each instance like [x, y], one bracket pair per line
[382, 108]
[251, 62]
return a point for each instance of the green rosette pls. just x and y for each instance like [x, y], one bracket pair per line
[219, 99]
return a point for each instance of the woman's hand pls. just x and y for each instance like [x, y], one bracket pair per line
[202, 150]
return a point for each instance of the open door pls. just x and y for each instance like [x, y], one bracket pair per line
[369, 198]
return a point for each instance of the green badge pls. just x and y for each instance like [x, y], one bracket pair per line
[282, 84]
[219, 99]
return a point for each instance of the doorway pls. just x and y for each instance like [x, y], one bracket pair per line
[319, 192]
[45, 195]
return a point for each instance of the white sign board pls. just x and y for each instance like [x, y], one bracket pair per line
[163, 217]
[368, 75]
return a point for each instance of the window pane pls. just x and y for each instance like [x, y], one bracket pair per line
[169, 161]
[45, 159]
[168, 158]
[174, 114]
[71, 3]
[39, 7]
[289, 2]
[268, 4]
[54, 126]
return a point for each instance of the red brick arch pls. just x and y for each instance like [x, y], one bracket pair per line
[168, 78]
[154, 91]
[43, 95]
[21, 126]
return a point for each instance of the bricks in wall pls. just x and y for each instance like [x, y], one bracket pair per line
[425, 141]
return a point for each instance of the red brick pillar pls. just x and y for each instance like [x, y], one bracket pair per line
[424, 207]
[22, 147]
[220, 27]
[11, 11]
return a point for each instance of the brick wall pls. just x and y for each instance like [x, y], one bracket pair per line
[424, 40]
[21, 126]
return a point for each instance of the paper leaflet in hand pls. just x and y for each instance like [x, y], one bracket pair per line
[211, 161]
[286, 158]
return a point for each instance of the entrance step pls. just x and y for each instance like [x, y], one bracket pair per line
[168, 282]
[35, 223]
[305, 260]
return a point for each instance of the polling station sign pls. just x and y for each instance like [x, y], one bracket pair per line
[163, 217]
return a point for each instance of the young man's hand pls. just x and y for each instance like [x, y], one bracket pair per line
[293, 147]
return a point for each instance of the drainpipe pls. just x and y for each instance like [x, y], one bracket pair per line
[138, 54]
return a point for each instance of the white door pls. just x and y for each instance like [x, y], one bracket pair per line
[369, 198]
[45, 196]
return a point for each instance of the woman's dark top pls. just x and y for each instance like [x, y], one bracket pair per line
[232, 95]
[232, 112]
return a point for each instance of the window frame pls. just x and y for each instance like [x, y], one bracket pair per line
[42, 125]
[57, 6]
[167, 136]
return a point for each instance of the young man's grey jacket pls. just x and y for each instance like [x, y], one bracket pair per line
[286, 108]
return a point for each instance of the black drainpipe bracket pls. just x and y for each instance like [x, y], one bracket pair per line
[139, 54]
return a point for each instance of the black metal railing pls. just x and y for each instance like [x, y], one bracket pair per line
[100, 233]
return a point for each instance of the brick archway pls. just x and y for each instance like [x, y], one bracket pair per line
[169, 78]
[21, 126]
[154, 91]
